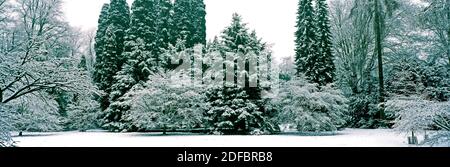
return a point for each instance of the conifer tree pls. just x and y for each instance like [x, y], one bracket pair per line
[306, 41]
[237, 108]
[165, 27]
[113, 22]
[99, 47]
[325, 58]
[148, 35]
[190, 22]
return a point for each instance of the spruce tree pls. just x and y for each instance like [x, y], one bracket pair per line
[325, 57]
[190, 22]
[237, 108]
[306, 44]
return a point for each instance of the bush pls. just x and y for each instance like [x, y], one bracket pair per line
[5, 128]
[83, 115]
[167, 102]
[35, 114]
[415, 115]
[310, 107]
[443, 123]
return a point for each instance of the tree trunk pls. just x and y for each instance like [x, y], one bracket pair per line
[164, 130]
[379, 52]
[1, 96]
[448, 31]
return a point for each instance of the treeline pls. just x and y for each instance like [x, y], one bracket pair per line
[135, 66]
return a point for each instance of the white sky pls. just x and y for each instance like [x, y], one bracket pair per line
[273, 20]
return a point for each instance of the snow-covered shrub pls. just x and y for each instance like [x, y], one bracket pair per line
[35, 114]
[5, 127]
[167, 101]
[413, 114]
[83, 114]
[416, 115]
[311, 108]
[442, 121]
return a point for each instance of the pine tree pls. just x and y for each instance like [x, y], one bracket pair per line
[190, 22]
[110, 38]
[326, 59]
[306, 41]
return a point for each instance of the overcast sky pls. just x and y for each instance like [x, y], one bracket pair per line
[273, 20]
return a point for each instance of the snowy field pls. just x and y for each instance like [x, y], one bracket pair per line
[346, 138]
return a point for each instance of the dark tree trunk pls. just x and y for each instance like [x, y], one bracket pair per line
[164, 130]
[379, 53]
[448, 31]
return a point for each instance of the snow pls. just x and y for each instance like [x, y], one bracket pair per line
[345, 138]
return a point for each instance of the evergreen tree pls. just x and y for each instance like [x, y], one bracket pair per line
[165, 27]
[306, 42]
[82, 65]
[237, 108]
[99, 47]
[110, 38]
[146, 38]
[137, 69]
[325, 58]
[190, 21]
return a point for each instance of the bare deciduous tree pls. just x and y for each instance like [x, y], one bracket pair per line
[37, 54]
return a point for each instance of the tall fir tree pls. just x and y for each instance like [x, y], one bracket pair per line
[113, 22]
[190, 22]
[100, 48]
[306, 41]
[146, 38]
[325, 59]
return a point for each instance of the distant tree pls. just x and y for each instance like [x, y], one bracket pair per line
[406, 78]
[436, 18]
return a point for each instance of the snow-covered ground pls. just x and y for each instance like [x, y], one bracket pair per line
[346, 138]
